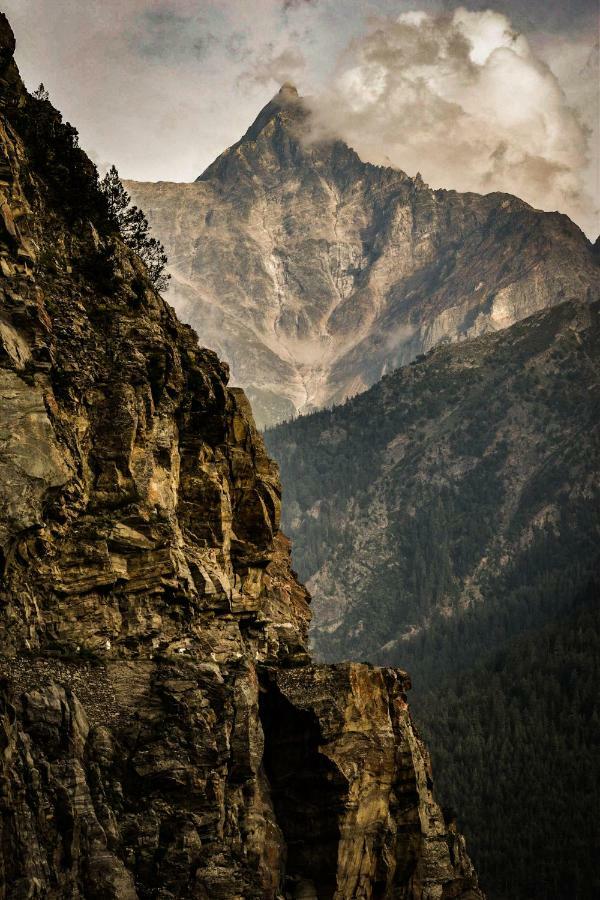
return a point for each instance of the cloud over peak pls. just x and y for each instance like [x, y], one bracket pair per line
[161, 87]
[463, 98]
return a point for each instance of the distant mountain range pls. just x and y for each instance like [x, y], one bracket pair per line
[313, 273]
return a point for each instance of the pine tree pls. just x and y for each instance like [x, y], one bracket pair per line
[116, 196]
[41, 93]
[135, 229]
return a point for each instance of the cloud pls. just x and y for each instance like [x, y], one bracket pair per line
[161, 87]
[272, 67]
[295, 4]
[163, 34]
[549, 15]
[463, 98]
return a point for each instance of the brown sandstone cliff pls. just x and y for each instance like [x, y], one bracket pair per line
[163, 731]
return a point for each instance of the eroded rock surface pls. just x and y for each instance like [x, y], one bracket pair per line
[360, 820]
[313, 273]
[149, 619]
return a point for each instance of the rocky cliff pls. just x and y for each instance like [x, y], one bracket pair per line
[163, 731]
[313, 273]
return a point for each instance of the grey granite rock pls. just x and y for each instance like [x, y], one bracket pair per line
[313, 273]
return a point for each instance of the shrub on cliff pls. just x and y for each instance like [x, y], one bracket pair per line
[134, 228]
[72, 180]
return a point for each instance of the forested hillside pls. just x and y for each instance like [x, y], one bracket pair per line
[461, 492]
[516, 744]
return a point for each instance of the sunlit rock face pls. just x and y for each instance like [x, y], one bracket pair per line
[151, 627]
[313, 273]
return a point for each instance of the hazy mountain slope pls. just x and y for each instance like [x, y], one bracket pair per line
[312, 273]
[460, 485]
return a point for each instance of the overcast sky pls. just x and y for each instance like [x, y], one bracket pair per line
[499, 96]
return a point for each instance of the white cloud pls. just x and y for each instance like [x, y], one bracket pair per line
[464, 99]
[275, 67]
[161, 87]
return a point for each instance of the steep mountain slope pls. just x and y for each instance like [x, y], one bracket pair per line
[452, 488]
[152, 635]
[313, 273]
[449, 520]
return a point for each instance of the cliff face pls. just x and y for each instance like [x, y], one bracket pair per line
[163, 731]
[313, 273]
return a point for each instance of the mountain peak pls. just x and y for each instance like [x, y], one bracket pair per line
[288, 91]
[287, 104]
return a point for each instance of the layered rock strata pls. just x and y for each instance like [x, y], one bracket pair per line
[159, 714]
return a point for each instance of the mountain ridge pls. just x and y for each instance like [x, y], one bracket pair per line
[314, 273]
[285, 101]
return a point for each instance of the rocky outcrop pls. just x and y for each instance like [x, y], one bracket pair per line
[351, 818]
[152, 634]
[313, 273]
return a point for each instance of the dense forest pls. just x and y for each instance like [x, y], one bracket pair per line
[515, 744]
[448, 522]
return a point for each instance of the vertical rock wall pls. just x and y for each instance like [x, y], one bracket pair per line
[155, 684]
